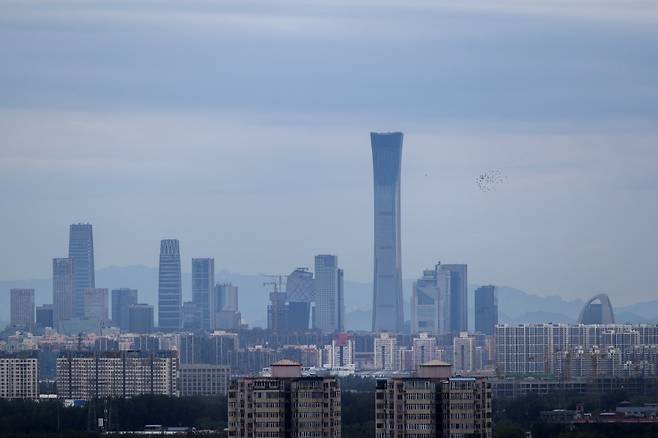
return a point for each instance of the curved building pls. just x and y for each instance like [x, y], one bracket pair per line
[597, 313]
[387, 282]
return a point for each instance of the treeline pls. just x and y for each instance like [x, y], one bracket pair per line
[49, 416]
[513, 417]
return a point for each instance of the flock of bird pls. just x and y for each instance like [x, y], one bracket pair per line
[489, 180]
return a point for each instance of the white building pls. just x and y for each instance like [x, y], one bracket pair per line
[463, 352]
[387, 355]
[424, 349]
[19, 376]
[430, 302]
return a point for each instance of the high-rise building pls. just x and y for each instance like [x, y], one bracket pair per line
[81, 251]
[597, 313]
[458, 296]
[486, 310]
[89, 375]
[433, 404]
[430, 302]
[387, 282]
[204, 380]
[170, 291]
[225, 314]
[62, 290]
[45, 317]
[192, 316]
[284, 405]
[203, 282]
[140, 318]
[424, 349]
[387, 354]
[463, 352]
[329, 301]
[96, 305]
[342, 352]
[301, 293]
[19, 375]
[22, 308]
[277, 311]
[122, 299]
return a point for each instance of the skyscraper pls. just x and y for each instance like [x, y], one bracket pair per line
[22, 308]
[387, 282]
[62, 290]
[203, 282]
[170, 292]
[96, 305]
[300, 291]
[122, 299]
[81, 251]
[430, 302]
[225, 314]
[45, 317]
[486, 310]
[140, 318]
[329, 303]
[458, 297]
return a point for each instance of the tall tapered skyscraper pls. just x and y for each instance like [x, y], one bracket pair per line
[81, 251]
[170, 292]
[203, 283]
[387, 310]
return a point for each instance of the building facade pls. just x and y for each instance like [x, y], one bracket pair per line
[204, 380]
[486, 309]
[87, 375]
[387, 276]
[225, 314]
[284, 405]
[329, 304]
[122, 299]
[140, 318]
[21, 312]
[203, 282]
[96, 305]
[463, 353]
[170, 292]
[301, 293]
[458, 296]
[81, 251]
[433, 404]
[430, 302]
[62, 290]
[387, 354]
[44, 317]
[19, 376]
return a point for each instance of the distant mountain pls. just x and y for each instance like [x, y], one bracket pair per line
[515, 306]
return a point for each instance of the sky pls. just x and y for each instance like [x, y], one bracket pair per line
[242, 129]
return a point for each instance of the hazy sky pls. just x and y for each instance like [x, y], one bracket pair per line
[241, 128]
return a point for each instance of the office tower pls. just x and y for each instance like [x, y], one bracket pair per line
[204, 380]
[96, 305]
[140, 318]
[301, 293]
[277, 311]
[424, 349]
[458, 297]
[170, 292]
[486, 309]
[62, 290]
[203, 282]
[430, 302]
[463, 352]
[89, 375]
[19, 375]
[22, 308]
[433, 404]
[192, 316]
[225, 314]
[81, 251]
[387, 355]
[122, 299]
[329, 302]
[45, 316]
[387, 283]
[597, 313]
[284, 405]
